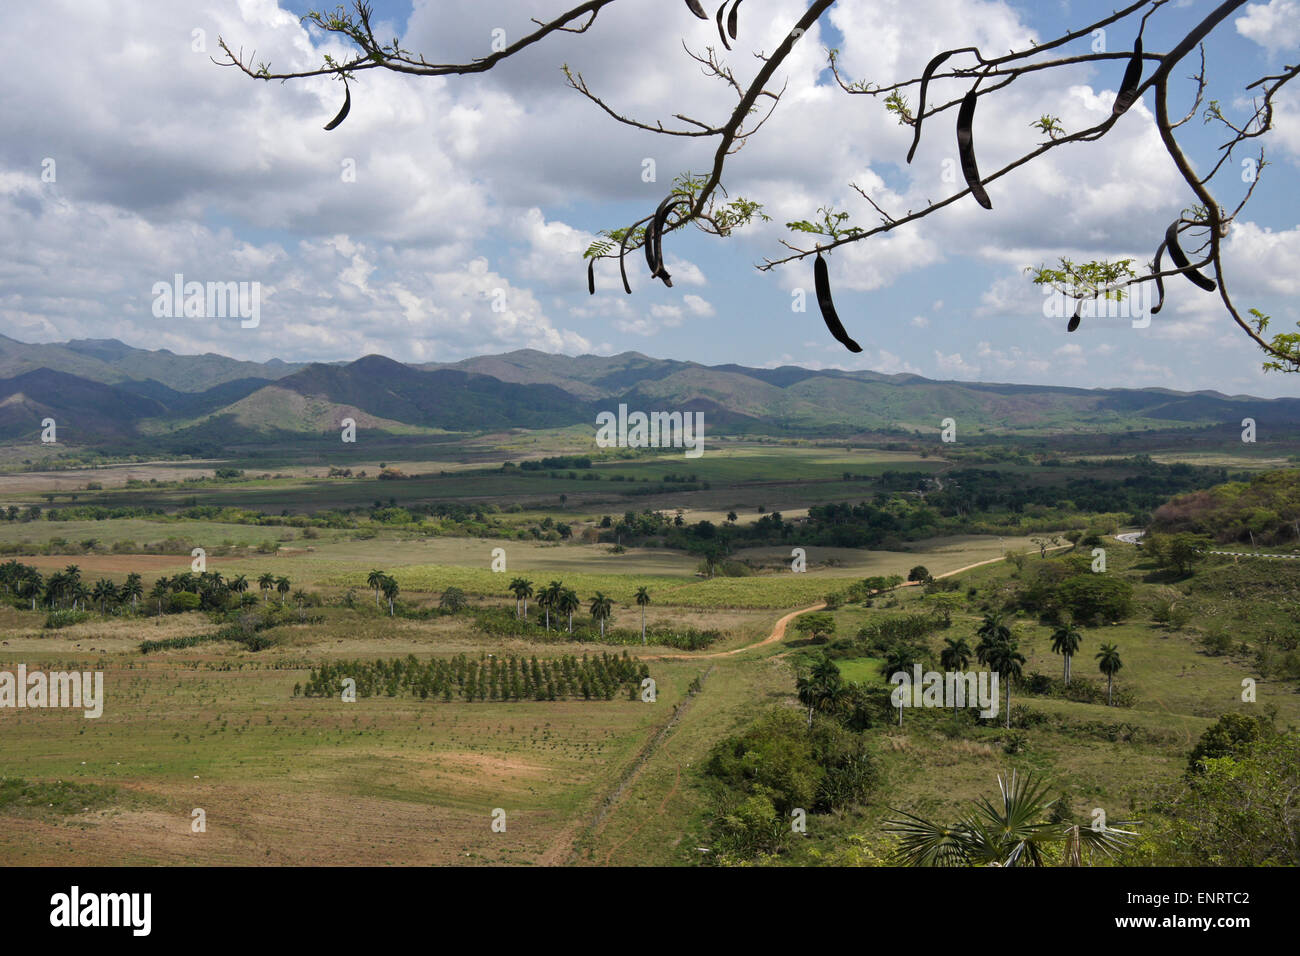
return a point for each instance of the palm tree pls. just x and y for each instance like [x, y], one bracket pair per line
[265, 582]
[523, 590]
[567, 604]
[1006, 659]
[1065, 641]
[601, 609]
[992, 632]
[103, 592]
[160, 589]
[282, 587]
[1109, 663]
[548, 597]
[955, 656]
[239, 585]
[1010, 833]
[132, 589]
[29, 587]
[390, 589]
[898, 659]
[376, 580]
[79, 594]
[822, 689]
[642, 599]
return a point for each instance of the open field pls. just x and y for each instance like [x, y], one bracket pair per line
[283, 779]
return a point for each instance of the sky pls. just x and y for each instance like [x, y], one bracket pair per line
[447, 216]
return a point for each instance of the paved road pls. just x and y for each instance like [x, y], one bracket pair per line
[1132, 537]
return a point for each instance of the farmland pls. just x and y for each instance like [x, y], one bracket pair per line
[216, 713]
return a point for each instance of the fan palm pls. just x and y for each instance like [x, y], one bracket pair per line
[1009, 832]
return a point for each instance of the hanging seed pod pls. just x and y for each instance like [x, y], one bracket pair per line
[930, 67]
[721, 32]
[1074, 319]
[622, 260]
[1160, 283]
[822, 280]
[343, 113]
[695, 8]
[660, 221]
[1132, 80]
[649, 247]
[591, 276]
[966, 148]
[1181, 261]
[733, 22]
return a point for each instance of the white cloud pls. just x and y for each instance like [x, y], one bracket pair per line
[1274, 25]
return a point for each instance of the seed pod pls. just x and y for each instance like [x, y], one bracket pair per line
[696, 9]
[591, 275]
[622, 264]
[343, 113]
[1181, 261]
[1132, 79]
[733, 20]
[660, 221]
[1074, 319]
[1160, 283]
[966, 149]
[721, 32]
[649, 247]
[822, 280]
[930, 67]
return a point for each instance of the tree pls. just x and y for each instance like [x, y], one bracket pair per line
[523, 590]
[601, 609]
[375, 579]
[1065, 641]
[453, 600]
[992, 632]
[1006, 659]
[159, 591]
[955, 656]
[266, 582]
[1011, 832]
[1108, 663]
[822, 689]
[818, 625]
[920, 574]
[642, 599]
[133, 589]
[390, 588]
[1180, 552]
[568, 603]
[547, 597]
[695, 198]
[899, 659]
[282, 587]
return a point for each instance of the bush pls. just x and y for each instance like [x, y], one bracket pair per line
[183, 601]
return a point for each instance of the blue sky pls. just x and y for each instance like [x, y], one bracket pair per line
[481, 189]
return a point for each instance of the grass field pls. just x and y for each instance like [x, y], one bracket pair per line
[285, 779]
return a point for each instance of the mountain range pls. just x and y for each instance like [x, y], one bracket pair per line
[101, 390]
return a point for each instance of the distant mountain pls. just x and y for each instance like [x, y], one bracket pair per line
[110, 361]
[447, 399]
[109, 390]
[82, 410]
